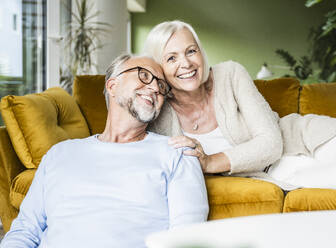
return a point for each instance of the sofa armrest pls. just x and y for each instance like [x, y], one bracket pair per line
[8, 158]
[10, 167]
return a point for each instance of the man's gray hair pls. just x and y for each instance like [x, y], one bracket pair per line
[112, 71]
[158, 37]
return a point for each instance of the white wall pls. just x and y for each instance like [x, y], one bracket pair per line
[113, 12]
[53, 43]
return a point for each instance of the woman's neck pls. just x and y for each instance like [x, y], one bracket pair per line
[186, 101]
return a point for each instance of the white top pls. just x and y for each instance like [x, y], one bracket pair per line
[89, 193]
[212, 142]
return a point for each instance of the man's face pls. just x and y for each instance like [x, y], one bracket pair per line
[143, 101]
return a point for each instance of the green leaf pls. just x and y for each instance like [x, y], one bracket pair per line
[330, 24]
[289, 59]
[82, 39]
[332, 77]
[310, 3]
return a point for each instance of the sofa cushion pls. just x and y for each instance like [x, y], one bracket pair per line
[36, 122]
[88, 93]
[310, 200]
[318, 99]
[237, 196]
[282, 94]
[20, 187]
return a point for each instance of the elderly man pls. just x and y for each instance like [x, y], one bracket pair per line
[113, 189]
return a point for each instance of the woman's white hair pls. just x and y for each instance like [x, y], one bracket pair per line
[158, 37]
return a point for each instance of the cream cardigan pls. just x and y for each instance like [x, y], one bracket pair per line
[257, 135]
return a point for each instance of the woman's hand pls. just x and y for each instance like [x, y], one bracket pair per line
[197, 149]
[215, 163]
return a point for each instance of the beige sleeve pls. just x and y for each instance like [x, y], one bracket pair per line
[265, 146]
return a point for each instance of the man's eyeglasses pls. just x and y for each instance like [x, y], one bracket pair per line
[146, 77]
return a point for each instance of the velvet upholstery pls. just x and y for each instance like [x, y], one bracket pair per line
[10, 167]
[41, 120]
[20, 187]
[282, 94]
[237, 196]
[310, 200]
[36, 122]
[88, 93]
[318, 99]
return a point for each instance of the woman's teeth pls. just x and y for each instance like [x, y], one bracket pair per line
[187, 75]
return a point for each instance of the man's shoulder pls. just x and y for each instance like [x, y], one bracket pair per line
[70, 144]
[155, 137]
[160, 143]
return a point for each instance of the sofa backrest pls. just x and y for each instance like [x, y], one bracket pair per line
[36, 122]
[282, 94]
[88, 93]
[318, 99]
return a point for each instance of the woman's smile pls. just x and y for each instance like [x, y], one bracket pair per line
[187, 75]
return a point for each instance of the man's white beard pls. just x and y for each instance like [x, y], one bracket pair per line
[137, 110]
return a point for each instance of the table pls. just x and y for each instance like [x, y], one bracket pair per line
[315, 229]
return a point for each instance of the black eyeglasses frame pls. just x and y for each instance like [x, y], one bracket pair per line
[139, 68]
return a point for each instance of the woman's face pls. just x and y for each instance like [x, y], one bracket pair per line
[182, 61]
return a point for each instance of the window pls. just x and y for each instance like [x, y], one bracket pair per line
[22, 47]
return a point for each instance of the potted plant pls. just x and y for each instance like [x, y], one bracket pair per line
[81, 41]
[322, 52]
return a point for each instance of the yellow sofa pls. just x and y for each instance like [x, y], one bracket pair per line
[36, 122]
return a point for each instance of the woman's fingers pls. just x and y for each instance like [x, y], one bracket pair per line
[197, 149]
[182, 141]
[178, 139]
[192, 152]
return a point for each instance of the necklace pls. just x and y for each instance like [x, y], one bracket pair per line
[187, 115]
[200, 114]
[196, 125]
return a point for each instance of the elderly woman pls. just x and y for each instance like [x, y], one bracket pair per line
[219, 112]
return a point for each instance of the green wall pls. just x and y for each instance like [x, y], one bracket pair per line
[245, 31]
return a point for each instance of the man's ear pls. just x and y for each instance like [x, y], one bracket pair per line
[111, 85]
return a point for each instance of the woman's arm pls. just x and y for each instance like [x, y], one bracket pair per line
[265, 145]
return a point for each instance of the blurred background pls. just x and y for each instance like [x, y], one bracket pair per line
[248, 32]
[45, 43]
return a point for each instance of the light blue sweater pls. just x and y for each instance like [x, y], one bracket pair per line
[88, 193]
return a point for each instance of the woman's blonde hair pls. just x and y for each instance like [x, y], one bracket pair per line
[158, 37]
